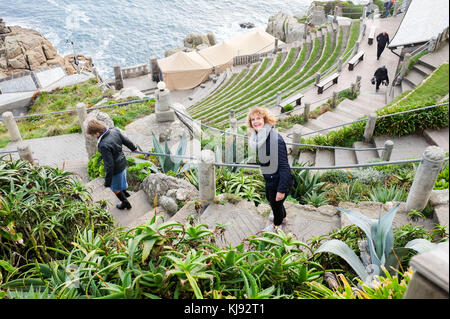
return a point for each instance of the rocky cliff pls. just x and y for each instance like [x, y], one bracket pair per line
[285, 27]
[24, 49]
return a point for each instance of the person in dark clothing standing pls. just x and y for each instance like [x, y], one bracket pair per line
[109, 144]
[272, 156]
[383, 41]
[381, 74]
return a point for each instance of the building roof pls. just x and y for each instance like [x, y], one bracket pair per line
[422, 21]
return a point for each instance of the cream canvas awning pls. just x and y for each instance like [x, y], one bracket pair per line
[422, 21]
[219, 55]
[184, 71]
[255, 41]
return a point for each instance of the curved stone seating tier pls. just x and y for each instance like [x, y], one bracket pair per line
[257, 86]
[278, 61]
[254, 73]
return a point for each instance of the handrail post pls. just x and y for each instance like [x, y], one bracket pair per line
[339, 66]
[82, 115]
[296, 138]
[207, 177]
[317, 77]
[387, 152]
[370, 127]
[306, 112]
[11, 126]
[25, 153]
[334, 99]
[425, 178]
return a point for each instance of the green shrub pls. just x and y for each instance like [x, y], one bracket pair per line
[442, 179]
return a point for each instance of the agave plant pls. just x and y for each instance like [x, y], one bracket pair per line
[380, 241]
[170, 163]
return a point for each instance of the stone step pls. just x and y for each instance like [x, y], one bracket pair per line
[371, 98]
[363, 157]
[406, 86]
[241, 221]
[140, 207]
[344, 157]
[306, 221]
[414, 78]
[422, 69]
[351, 113]
[426, 63]
[361, 107]
[438, 137]
[324, 157]
[333, 118]
[78, 167]
[307, 158]
[405, 147]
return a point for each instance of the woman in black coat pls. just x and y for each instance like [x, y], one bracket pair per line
[109, 144]
[272, 156]
[382, 42]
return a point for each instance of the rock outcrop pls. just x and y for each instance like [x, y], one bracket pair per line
[194, 42]
[285, 28]
[169, 190]
[24, 50]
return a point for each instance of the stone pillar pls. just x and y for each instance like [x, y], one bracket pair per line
[163, 112]
[386, 154]
[296, 138]
[154, 69]
[358, 83]
[432, 44]
[25, 153]
[118, 82]
[305, 31]
[82, 115]
[370, 127]
[306, 112]
[278, 100]
[207, 177]
[11, 126]
[430, 277]
[339, 67]
[317, 78]
[356, 47]
[426, 175]
[334, 99]
[276, 46]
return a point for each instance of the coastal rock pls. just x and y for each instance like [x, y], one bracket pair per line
[23, 49]
[285, 28]
[194, 40]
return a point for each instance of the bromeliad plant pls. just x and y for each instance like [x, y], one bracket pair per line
[380, 242]
[170, 163]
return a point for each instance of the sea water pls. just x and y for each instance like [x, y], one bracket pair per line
[128, 32]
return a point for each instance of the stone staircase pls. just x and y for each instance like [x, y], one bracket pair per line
[140, 213]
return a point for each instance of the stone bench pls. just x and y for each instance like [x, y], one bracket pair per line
[332, 78]
[296, 99]
[355, 60]
[371, 35]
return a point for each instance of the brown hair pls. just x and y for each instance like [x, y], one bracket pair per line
[94, 127]
[268, 117]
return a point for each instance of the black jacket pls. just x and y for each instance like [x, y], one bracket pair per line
[381, 74]
[382, 40]
[110, 146]
[279, 178]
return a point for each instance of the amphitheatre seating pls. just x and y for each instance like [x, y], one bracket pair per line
[333, 78]
[297, 98]
[355, 60]
[371, 35]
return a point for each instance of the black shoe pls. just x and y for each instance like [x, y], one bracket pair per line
[124, 202]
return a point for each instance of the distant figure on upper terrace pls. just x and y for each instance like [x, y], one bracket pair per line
[383, 41]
